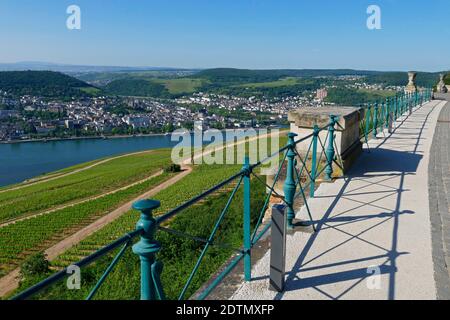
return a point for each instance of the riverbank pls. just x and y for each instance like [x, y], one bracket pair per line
[123, 136]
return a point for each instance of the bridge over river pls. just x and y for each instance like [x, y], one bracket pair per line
[383, 231]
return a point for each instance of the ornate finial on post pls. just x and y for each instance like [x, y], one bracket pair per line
[147, 248]
[290, 186]
[330, 152]
[411, 87]
[312, 186]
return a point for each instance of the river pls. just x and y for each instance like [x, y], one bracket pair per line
[25, 160]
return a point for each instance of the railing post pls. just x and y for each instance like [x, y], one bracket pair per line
[247, 224]
[391, 115]
[409, 102]
[402, 104]
[330, 152]
[315, 138]
[146, 248]
[290, 186]
[396, 107]
[368, 116]
[388, 112]
[375, 120]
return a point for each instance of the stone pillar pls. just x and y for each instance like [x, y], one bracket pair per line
[411, 87]
[441, 87]
[348, 142]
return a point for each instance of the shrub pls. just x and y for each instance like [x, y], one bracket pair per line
[172, 168]
[35, 265]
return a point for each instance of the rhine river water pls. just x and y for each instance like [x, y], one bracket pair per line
[25, 160]
[21, 161]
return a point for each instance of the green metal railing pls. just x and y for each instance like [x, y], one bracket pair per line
[302, 171]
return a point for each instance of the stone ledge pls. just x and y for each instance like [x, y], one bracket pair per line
[309, 117]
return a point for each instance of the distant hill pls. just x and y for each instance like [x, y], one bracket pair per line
[424, 79]
[72, 68]
[137, 88]
[244, 76]
[43, 83]
[240, 82]
[226, 75]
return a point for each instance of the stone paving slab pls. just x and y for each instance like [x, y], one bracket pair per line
[439, 191]
[377, 219]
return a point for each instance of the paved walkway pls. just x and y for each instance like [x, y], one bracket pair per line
[439, 190]
[374, 232]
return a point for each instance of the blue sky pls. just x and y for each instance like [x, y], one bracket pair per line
[229, 33]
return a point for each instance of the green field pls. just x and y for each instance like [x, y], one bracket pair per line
[286, 82]
[91, 90]
[178, 254]
[23, 238]
[181, 85]
[379, 93]
[98, 180]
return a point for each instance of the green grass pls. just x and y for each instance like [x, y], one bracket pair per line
[181, 85]
[19, 240]
[178, 254]
[285, 82]
[379, 93]
[91, 90]
[100, 179]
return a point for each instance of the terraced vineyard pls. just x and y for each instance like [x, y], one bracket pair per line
[178, 254]
[100, 179]
[19, 240]
[95, 191]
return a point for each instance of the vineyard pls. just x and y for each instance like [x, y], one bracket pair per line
[178, 254]
[100, 179]
[19, 240]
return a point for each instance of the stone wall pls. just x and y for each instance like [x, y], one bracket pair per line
[348, 143]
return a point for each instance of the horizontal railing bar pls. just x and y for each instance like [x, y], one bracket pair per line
[199, 239]
[187, 204]
[86, 261]
[257, 164]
